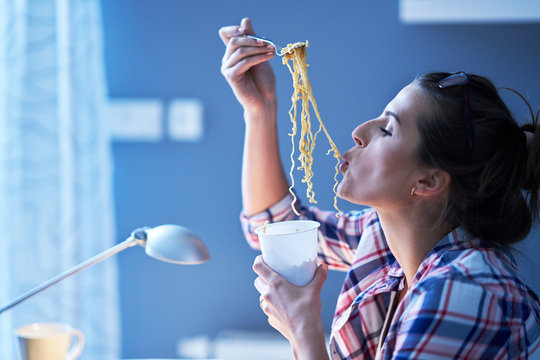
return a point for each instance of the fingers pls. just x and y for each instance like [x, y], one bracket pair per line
[261, 282]
[241, 47]
[263, 270]
[233, 37]
[261, 286]
[268, 275]
[227, 32]
[242, 54]
[264, 299]
[263, 289]
[262, 303]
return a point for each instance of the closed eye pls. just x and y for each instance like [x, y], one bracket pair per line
[385, 132]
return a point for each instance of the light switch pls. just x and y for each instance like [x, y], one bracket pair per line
[135, 119]
[186, 119]
[469, 12]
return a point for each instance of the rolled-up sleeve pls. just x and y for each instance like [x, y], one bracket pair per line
[280, 211]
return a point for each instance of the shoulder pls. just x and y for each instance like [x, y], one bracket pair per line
[475, 289]
[478, 273]
[489, 271]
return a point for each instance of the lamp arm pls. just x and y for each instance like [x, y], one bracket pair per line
[131, 241]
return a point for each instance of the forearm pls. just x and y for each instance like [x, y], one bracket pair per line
[263, 179]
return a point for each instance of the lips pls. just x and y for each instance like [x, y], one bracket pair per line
[343, 166]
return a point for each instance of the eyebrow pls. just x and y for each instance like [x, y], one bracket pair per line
[394, 115]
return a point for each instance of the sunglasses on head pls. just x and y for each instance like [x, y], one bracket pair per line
[461, 79]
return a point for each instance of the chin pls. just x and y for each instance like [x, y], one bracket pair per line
[352, 198]
[347, 197]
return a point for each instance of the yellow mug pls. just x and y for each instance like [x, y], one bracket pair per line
[49, 341]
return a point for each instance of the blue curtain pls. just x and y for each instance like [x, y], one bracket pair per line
[56, 206]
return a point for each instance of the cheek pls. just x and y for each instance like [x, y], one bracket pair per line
[378, 172]
[391, 163]
[391, 170]
[384, 163]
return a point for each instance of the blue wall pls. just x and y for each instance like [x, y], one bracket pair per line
[360, 56]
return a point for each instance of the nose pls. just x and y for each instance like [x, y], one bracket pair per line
[361, 134]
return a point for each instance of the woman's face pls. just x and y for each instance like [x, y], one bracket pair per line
[382, 168]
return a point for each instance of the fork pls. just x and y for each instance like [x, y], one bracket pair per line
[279, 49]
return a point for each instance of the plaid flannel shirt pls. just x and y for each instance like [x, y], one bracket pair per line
[466, 300]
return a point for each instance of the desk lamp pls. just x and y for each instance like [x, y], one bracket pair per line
[170, 243]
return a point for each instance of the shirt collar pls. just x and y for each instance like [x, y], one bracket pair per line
[457, 239]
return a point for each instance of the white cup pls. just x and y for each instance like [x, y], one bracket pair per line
[49, 341]
[290, 249]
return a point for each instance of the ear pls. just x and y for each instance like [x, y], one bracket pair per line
[434, 182]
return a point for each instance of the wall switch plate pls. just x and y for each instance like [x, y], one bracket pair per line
[185, 119]
[469, 11]
[135, 119]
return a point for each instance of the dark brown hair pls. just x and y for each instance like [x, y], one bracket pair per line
[494, 187]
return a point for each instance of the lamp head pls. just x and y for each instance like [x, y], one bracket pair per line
[172, 243]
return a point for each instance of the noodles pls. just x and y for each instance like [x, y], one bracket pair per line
[306, 144]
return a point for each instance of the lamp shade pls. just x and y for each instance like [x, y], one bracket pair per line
[175, 244]
[170, 243]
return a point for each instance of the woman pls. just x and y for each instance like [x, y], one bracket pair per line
[442, 170]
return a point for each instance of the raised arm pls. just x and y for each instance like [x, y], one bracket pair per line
[252, 80]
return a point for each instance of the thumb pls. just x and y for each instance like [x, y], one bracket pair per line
[320, 275]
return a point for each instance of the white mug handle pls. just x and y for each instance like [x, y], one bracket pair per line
[78, 347]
